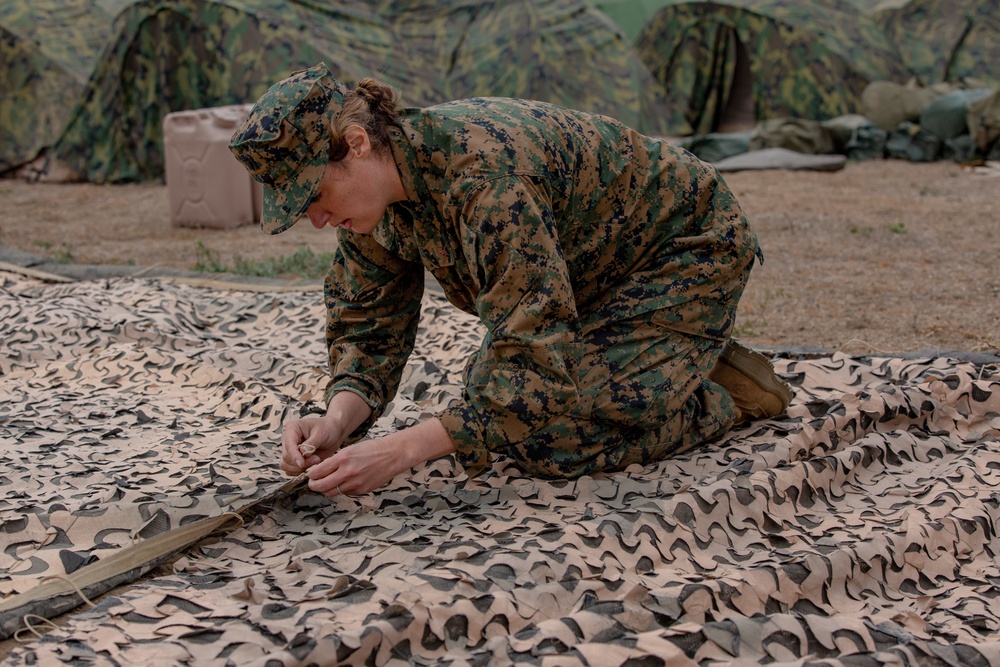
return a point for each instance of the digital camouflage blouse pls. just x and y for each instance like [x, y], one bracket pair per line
[541, 221]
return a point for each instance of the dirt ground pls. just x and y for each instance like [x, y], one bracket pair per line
[881, 257]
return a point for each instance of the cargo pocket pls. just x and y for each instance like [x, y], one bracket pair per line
[647, 375]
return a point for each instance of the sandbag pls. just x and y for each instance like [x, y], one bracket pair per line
[868, 143]
[841, 128]
[994, 154]
[888, 104]
[947, 116]
[718, 146]
[910, 142]
[984, 122]
[795, 134]
[856, 136]
[959, 149]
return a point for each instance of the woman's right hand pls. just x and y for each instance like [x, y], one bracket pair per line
[307, 441]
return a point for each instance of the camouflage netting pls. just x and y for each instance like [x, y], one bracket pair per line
[861, 528]
[160, 57]
[793, 58]
[947, 40]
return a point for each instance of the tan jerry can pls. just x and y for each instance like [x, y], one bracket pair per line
[206, 184]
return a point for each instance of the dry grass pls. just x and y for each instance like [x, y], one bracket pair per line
[883, 256]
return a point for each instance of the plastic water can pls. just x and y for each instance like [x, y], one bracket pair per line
[207, 186]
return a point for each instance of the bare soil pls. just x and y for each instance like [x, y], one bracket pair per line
[881, 257]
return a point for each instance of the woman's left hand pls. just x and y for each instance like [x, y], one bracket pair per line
[370, 464]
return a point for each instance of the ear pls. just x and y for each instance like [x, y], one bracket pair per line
[358, 142]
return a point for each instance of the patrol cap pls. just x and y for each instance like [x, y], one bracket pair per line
[285, 143]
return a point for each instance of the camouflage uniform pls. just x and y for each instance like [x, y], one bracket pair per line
[605, 265]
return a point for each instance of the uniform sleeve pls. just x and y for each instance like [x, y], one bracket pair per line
[527, 304]
[373, 308]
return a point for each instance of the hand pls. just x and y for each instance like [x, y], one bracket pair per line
[305, 442]
[359, 468]
[371, 464]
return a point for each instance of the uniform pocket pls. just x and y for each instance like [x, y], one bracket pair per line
[645, 374]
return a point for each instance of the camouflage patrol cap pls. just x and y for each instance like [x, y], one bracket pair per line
[285, 143]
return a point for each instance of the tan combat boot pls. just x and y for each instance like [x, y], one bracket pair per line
[750, 379]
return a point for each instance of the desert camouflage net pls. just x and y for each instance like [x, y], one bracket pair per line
[859, 529]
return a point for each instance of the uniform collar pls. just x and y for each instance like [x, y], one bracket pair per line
[426, 227]
[402, 139]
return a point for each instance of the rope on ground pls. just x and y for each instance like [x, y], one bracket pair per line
[34, 273]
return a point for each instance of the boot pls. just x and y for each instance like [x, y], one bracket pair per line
[750, 379]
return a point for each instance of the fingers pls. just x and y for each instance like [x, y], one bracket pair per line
[337, 476]
[292, 459]
[358, 469]
[294, 470]
[328, 485]
[324, 476]
[306, 442]
[309, 445]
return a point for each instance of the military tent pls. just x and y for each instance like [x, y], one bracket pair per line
[48, 48]
[188, 54]
[560, 52]
[947, 40]
[629, 15]
[735, 62]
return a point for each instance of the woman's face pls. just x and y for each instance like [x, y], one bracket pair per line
[349, 196]
[355, 192]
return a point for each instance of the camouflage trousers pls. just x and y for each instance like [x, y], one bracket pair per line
[643, 396]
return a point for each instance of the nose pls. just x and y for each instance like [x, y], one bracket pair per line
[318, 219]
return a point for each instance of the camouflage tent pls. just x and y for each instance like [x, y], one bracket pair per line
[48, 48]
[561, 52]
[947, 40]
[629, 15]
[735, 62]
[189, 54]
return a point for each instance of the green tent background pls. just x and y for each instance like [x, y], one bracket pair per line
[88, 82]
[191, 54]
[49, 48]
[742, 61]
[947, 40]
[163, 56]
